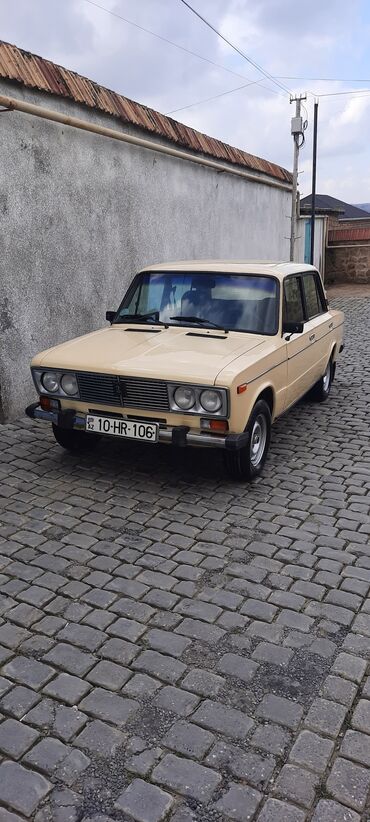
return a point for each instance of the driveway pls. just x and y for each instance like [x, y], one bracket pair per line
[177, 646]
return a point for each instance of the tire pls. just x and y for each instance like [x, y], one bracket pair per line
[75, 441]
[321, 390]
[247, 463]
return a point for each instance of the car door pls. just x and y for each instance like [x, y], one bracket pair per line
[318, 321]
[298, 346]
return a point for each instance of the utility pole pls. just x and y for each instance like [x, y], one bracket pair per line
[313, 189]
[297, 129]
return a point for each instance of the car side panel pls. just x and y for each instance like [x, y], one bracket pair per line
[301, 364]
[307, 360]
[267, 372]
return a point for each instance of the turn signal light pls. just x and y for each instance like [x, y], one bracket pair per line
[219, 425]
[48, 404]
[241, 388]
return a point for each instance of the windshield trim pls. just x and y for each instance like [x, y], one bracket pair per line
[131, 290]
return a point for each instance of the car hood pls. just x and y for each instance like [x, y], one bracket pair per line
[171, 354]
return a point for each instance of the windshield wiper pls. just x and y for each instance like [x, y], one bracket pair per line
[199, 320]
[131, 318]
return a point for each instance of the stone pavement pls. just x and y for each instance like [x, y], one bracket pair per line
[177, 646]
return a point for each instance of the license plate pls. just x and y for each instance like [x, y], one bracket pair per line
[129, 429]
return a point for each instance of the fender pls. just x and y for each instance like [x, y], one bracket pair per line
[257, 393]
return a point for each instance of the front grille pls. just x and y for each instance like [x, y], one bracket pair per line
[100, 388]
[138, 393]
[129, 392]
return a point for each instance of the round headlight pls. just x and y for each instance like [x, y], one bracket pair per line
[50, 382]
[69, 384]
[211, 401]
[184, 397]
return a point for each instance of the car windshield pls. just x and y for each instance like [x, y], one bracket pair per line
[234, 302]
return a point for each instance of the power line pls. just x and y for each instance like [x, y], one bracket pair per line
[228, 70]
[215, 97]
[235, 48]
[353, 92]
[321, 79]
[355, 97]
[213, 62]
[166, 40]
[187, 51]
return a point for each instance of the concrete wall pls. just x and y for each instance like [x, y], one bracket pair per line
[80, 214]
[348, 264]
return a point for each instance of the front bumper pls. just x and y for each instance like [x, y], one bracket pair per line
[179, 435]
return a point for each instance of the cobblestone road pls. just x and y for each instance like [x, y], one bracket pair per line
[176, 646]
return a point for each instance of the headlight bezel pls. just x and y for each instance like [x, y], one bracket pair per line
[198, 409]
[202, 401]
[193, 397]
[55, 378]
[65, 376]
[38, 373]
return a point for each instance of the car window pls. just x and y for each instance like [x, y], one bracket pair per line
[293, 308]
[237, 302]
[156, 292]
[312, 296]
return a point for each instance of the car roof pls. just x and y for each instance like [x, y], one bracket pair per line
[266, 267]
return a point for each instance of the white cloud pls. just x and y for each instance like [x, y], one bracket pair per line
[354, 111]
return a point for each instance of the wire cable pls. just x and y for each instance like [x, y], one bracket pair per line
[235, 48]
[321, 79]
[166, 40]
[353, 92]
[356, 97]
[215, 97]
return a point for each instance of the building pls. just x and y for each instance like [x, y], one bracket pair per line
[346, 238]
[81, 210]
[341, 211]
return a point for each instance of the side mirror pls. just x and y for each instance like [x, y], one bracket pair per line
[293, 328]
[110, 315]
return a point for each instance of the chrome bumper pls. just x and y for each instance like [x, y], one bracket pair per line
[179, 435]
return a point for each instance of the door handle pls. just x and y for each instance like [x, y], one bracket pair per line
[331, 325]
[311, 337]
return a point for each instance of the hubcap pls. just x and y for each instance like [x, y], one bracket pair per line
[326, 377]
[258, 440]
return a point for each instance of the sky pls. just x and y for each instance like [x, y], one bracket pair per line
[289, 40]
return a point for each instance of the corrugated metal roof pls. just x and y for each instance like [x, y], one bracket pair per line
[35, 72]
[349, 235]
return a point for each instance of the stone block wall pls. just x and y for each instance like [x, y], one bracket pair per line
[349, 263]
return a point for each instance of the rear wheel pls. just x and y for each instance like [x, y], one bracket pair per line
[321, 389]
[247, 463]
[75, 441]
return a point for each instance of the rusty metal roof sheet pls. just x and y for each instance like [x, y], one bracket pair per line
[35, 72]
[349, 235]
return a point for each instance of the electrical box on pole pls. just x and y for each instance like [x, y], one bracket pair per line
[297, 125]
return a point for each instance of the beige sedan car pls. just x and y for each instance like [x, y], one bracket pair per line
[201, 353]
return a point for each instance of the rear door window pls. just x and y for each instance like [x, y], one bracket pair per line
[312, 295]
[293, 306]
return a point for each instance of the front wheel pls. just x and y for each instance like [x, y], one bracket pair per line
[321, 389]
[75, 441]
[247, 463]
